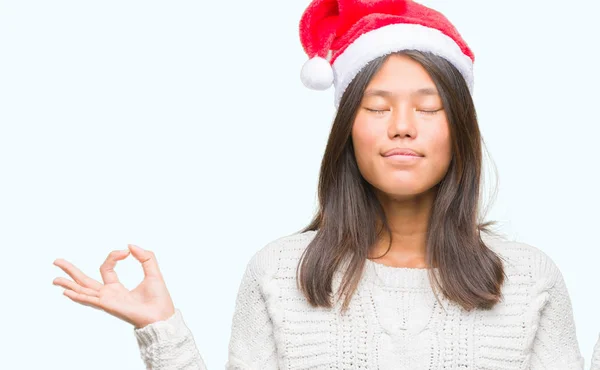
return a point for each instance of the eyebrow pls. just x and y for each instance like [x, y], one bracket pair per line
[386, 93]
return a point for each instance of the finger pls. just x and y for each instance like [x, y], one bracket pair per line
[147, 259]
[83, 299]
[68, 284]
[81, 278]
[107, 269]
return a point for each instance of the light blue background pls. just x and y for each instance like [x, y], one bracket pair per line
[183, 127]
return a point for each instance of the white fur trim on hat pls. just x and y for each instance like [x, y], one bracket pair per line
[396, 37]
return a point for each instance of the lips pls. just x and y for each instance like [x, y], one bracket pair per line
[402, 151]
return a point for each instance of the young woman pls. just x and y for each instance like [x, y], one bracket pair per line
[396, 270]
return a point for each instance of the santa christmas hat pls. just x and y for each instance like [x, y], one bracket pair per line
[340, 37]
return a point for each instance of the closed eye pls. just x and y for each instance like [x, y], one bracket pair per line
[376, 111]
[425, 111]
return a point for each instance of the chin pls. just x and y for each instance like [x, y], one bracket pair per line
[403, 191]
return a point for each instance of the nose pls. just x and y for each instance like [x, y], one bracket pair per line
[401, 123]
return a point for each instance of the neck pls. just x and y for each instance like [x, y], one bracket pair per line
[408, 218]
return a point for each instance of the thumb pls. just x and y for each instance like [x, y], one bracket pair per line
[147, 259]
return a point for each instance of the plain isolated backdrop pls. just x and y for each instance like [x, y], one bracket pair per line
[183, 127]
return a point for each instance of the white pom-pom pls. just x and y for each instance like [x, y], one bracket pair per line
[317, 74]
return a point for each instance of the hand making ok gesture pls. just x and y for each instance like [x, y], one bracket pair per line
[149, 302]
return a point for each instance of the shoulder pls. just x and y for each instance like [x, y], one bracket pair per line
[524, 260]
[279, 256]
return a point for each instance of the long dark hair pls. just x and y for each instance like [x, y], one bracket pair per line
[350, 219]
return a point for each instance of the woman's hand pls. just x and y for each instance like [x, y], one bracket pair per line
[149, 302]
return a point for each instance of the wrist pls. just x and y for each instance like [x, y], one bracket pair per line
[163, 316]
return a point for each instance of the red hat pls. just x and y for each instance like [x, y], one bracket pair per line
[341, 36]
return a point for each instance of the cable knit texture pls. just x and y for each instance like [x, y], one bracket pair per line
[394, 321]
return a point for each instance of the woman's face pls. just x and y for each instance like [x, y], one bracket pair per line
[401, 109]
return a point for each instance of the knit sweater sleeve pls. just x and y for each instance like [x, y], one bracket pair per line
[596, 355]
[169, 344]
[555, 345]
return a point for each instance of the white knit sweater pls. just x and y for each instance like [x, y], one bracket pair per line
[394, 321]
